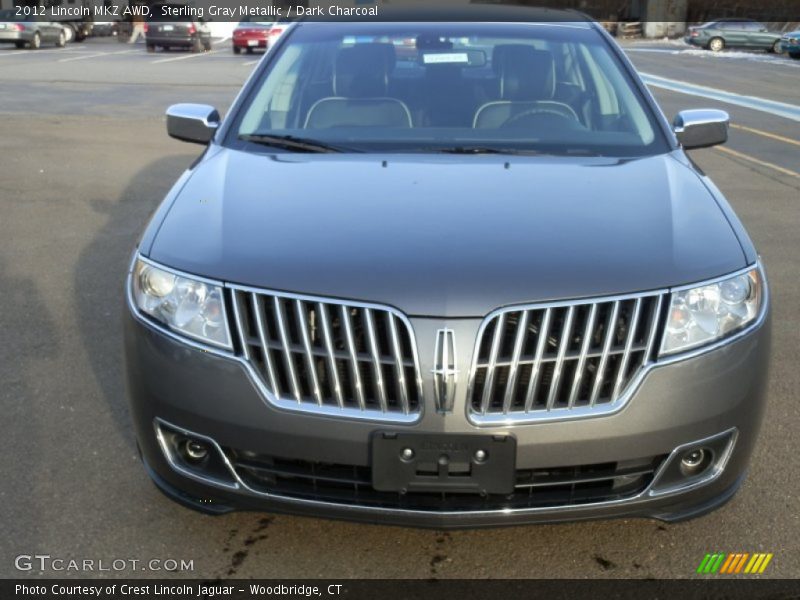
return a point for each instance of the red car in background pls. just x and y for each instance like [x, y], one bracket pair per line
[277, 29]
[250, 35]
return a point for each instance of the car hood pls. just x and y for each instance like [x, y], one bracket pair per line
[447, 236]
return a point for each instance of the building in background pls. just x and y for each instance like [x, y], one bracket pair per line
[665, 18]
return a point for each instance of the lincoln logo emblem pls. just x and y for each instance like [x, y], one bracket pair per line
[444, 371]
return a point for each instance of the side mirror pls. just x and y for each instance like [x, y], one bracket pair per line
[195, 123]
[701, 128]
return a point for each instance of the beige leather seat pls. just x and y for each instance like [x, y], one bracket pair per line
[527, 85]
[360, 85]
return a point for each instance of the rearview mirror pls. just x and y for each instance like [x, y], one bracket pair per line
[195, 123]
[701, 128]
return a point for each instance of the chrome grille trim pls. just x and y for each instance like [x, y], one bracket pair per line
[562, 360]
[329, 357]
[398, 359]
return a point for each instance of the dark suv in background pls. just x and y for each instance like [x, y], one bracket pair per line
[717, 35]
[162, 31]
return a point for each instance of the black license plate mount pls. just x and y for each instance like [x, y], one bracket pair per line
[455, 463]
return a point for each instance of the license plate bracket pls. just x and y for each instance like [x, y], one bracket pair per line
[455, 463]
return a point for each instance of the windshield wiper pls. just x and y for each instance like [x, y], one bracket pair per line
[291, 142]
[581, 152]
[517, 151]
[486, 150]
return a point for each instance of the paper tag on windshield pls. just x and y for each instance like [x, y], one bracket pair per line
[446, 57]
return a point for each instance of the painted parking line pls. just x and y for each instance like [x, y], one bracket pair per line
[766, 134]
[250, 63]
[40, 51]
[758, 161]
[96, 55]
[780, 109]
[226, 56]
[184, 57]
[653, 50]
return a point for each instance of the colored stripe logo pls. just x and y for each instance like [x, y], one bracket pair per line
[735, 563]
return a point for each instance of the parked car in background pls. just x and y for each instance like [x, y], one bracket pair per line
[790, 43]
[409, 287]
[29, 31]
[250, 35]
[105, 28]
[277, 30]
[76, 21]
[163, 32]
[733, 33]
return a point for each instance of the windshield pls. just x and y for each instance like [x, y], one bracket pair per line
[457, 87]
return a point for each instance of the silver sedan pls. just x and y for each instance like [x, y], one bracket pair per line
[28, 31]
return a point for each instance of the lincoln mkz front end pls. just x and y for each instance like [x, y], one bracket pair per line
[447, 275]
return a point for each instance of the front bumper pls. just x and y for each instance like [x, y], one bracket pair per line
[675, 404]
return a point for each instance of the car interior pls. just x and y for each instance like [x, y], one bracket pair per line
[432, 88]
[519, 88]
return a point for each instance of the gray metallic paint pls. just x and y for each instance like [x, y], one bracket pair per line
[678, 403]
[48, 32]
[446, 236]
[447, 240]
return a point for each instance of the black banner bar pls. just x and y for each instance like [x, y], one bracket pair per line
[777, 12]
[382, 589]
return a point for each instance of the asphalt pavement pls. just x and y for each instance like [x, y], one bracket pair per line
[84, 160]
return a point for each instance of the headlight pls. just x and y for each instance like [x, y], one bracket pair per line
[707, 313]
[187, 306]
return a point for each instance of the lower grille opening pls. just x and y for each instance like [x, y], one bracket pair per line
[534, 488]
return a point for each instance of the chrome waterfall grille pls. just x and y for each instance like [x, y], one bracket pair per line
[320, 356]
[561, 360]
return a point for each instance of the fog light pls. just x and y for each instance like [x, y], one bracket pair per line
[195, 455]
[194, 450]
[695, 461]
[693, 458]
[694, 464]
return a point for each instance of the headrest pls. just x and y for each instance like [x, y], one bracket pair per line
[525, 73]
[362, 71]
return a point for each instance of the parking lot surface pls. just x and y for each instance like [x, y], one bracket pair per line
[85, 160]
